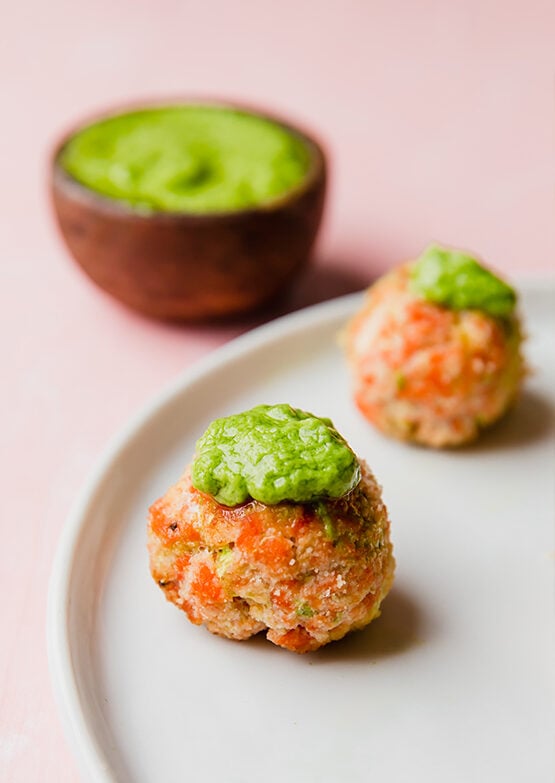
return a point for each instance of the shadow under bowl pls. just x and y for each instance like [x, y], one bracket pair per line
[191, 267]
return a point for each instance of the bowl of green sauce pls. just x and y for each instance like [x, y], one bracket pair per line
[189, 211]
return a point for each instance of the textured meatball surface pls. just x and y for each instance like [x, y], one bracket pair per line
[306, 574]
[426, 373]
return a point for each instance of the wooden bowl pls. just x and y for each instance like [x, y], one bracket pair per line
[184, 266]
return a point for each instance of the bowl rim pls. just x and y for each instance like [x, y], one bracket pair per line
[63, 181]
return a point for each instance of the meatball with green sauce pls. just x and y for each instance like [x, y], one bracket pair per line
[276, 526]
[435, 350]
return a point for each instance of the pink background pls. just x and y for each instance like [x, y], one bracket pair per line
[439, 120]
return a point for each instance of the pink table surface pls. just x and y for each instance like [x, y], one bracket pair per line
[438, 117]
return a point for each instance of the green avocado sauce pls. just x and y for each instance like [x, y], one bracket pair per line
[457, 281]
[187, 159]
[273, 453]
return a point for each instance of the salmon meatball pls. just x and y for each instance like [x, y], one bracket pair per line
[304, 573]
[434, 372]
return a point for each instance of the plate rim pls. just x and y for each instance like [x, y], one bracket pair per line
[82, 741]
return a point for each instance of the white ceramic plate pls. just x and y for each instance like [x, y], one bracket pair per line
[452, 683]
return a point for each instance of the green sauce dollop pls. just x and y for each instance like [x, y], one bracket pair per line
[457, 281]
[273, 453]
[187, 159]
